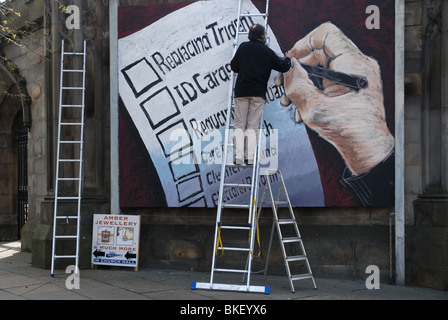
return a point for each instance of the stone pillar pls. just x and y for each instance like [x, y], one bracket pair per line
[94, 193]
[429, 248]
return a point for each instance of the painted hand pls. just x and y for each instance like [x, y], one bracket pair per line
[354, 122]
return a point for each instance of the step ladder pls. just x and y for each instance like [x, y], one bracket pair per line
[291, 243]
[251, 227]
[69, 158]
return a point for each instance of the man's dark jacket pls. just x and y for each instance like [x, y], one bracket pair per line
[253, 62]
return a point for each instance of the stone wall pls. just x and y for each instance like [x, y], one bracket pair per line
[27, 63]
[427, 134]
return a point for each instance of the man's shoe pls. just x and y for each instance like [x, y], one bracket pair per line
[250, 161]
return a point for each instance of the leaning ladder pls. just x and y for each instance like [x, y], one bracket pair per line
[251, 226]
[69, 159]
[291, 243]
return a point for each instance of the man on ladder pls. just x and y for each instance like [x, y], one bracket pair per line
[253, 62]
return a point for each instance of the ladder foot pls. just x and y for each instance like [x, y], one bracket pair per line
[231, 287]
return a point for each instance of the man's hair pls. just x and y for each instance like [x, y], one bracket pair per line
[256, 32]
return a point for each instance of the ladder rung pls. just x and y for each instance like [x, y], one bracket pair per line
[67, 217]
[281, 202]
[68, 198]
[235, 206]
[261, 14]
[230, 270]
[72, 70]
[72, 88]
[235, 228]
[286, 221]
[73, 53]
[67, 141]
[69, 179]
[237, 185]
[65, 257]
[71, 123]
[232, 165]
[296, 258]
[72, 106]
[66, 237]
[233, 249]
[291, 239]
[70, 160]
[302, 276]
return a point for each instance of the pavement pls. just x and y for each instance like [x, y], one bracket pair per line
[20, 281]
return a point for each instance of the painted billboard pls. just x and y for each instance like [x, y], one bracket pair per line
[331, 115]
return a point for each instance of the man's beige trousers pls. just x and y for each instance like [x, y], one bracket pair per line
[248, 111]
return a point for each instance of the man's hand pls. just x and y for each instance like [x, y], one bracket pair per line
[352, 121]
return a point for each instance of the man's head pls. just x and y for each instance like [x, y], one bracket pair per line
[257, 32]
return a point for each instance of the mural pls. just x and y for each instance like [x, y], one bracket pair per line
[329, 120]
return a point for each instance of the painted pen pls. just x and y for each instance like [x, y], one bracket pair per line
[317, 74]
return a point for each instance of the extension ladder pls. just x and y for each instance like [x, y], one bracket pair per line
[69, 158]
[252, 222]
[288, 233]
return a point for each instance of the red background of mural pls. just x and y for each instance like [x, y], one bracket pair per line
[291, 20]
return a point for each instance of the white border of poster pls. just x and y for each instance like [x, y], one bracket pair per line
[399, 128]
